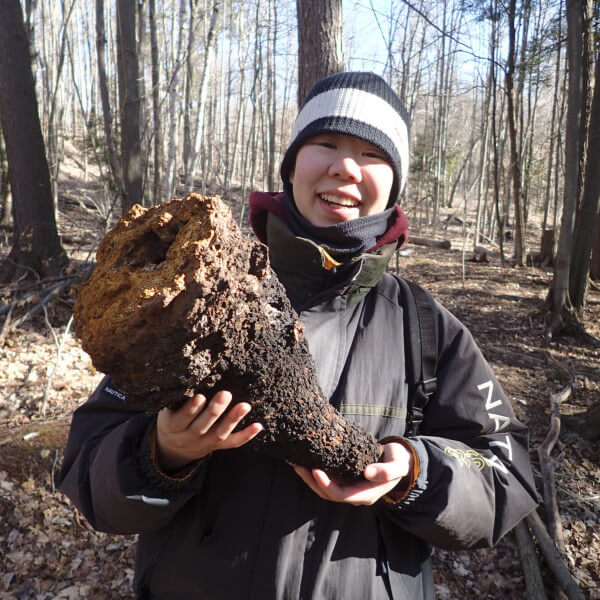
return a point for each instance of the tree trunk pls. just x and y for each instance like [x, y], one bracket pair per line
[53, 151]
[439, 141]
[587, 68]
[5, 195]
[483, 155]
[201, 98]
[36, 244]
[553, 123]
[113, 158]
[272, 99]
[515, 159]
[188, 146]
[559, 291]
[158, 136]
[595, 265]
[496, 144]
[130, 103]
[171, 178]
[587, 215]
[167, 318]
[145, 104]
[320, 42]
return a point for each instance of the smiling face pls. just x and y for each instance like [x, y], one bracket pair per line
[340, 177]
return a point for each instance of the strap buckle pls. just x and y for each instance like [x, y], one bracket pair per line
[428, 387]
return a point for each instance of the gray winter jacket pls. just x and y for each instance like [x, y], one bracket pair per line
[239, 525]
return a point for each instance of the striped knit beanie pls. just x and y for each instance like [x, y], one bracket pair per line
[358, 104]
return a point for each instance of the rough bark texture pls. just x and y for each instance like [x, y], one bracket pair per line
[130, 104]
[36, 244]
[181, 302]
[320, 42]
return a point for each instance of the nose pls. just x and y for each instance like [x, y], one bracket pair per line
[346, 167]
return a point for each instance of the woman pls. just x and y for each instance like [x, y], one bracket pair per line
[218, 520]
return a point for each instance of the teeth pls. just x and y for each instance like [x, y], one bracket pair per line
[341, 201]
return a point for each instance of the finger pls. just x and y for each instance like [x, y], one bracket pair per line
[180, 419]
[307, 476]
[395, 465]
[211, 413]
[323, 480]
[230, 421]
[382, 473]
[339, 492]
[244, 436]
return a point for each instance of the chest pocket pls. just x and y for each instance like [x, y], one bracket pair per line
[329, 335]
[360, 363]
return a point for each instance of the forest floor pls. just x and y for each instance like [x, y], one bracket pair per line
[47, 550]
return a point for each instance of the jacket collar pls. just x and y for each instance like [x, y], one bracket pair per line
[308, 273]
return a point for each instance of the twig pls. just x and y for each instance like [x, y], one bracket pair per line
[59, 347]
[534, 582]
[5, 325]
[577, 499]
[553, 558]
[547, 466]
[464, 251]
[54, 463]
[54, 291]
[36, 284]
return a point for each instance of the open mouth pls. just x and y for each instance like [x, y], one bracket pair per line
[338, 201]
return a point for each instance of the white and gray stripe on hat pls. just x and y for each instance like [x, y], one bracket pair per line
[357, 104]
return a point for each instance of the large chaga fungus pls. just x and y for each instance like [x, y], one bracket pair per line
[181, 302]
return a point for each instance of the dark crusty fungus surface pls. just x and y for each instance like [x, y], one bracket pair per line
[181, 302]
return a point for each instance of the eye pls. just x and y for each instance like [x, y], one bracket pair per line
[325, 143]
[376, 155]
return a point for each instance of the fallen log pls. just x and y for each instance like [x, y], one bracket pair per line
[482, 254]
[532, 573]
[181, 302]
[553, 557]
[431, 243]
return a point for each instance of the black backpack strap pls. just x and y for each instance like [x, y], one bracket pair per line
[420, 343]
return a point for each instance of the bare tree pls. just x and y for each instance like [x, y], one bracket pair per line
[495, 141]
[113, 158]
[587, 215]
[320, 42]
[196, 138]
[515, 159]
[272, 95]
[559, 292]
[553, 120]
[158, 136]
[5, 195]
[171, 177]
[52, 141]
[130, 103]
[595, 263]
[36, 245]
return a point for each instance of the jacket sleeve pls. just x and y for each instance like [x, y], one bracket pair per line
[109, 471]
[475, 481]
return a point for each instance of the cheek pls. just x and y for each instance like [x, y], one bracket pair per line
[382, 179]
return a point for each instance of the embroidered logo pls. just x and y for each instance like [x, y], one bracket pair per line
[469, 458]
[114, 392]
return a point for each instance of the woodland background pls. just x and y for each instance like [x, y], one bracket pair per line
[105, 104]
